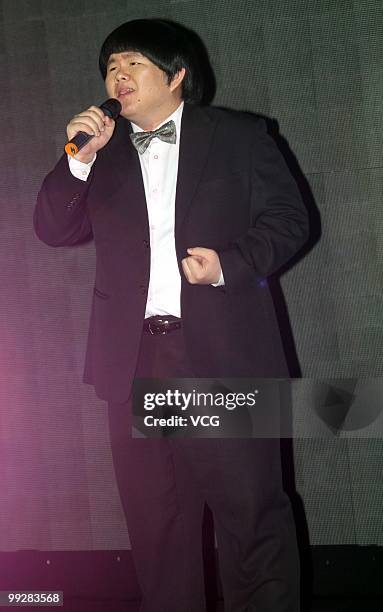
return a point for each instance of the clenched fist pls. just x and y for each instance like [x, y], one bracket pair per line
[91, 121]
[202, 267]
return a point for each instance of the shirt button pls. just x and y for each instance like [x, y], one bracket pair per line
[155, 156]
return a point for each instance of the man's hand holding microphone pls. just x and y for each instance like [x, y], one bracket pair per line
[90, 130]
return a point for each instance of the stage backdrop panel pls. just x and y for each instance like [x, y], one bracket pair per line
[315, 66]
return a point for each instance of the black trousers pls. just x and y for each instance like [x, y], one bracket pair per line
[164, 484]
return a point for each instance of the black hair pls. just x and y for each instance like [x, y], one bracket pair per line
[165, 43]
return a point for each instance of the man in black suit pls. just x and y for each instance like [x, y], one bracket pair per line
[188, 222]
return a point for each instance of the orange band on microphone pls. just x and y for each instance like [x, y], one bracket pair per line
[71, 149]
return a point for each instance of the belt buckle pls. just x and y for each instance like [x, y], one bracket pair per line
[155, 330]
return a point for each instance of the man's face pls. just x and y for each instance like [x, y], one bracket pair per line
[142, 88]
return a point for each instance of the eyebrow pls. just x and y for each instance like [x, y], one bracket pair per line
[124, 55]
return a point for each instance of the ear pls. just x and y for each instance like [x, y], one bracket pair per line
[177, 79]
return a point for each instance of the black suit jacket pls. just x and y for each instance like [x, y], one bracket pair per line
[234, 194]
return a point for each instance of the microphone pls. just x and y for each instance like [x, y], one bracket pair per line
[111, 108]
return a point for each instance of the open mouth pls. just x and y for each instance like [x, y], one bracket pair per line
[125, 92]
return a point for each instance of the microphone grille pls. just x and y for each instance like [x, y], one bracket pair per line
[111, 107]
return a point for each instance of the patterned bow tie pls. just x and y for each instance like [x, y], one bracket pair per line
[166, 132]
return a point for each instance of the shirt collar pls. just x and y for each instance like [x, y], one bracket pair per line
[176, 116]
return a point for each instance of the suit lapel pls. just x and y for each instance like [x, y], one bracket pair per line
[197, 130]
[126, 170]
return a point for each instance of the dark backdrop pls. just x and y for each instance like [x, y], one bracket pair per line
[315, 66]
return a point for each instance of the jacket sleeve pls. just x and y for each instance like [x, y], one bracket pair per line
[60, 216]
[279, 222]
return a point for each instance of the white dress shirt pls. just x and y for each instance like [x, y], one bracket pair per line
[159, 167]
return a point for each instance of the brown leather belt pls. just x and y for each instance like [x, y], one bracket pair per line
[160, 325]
